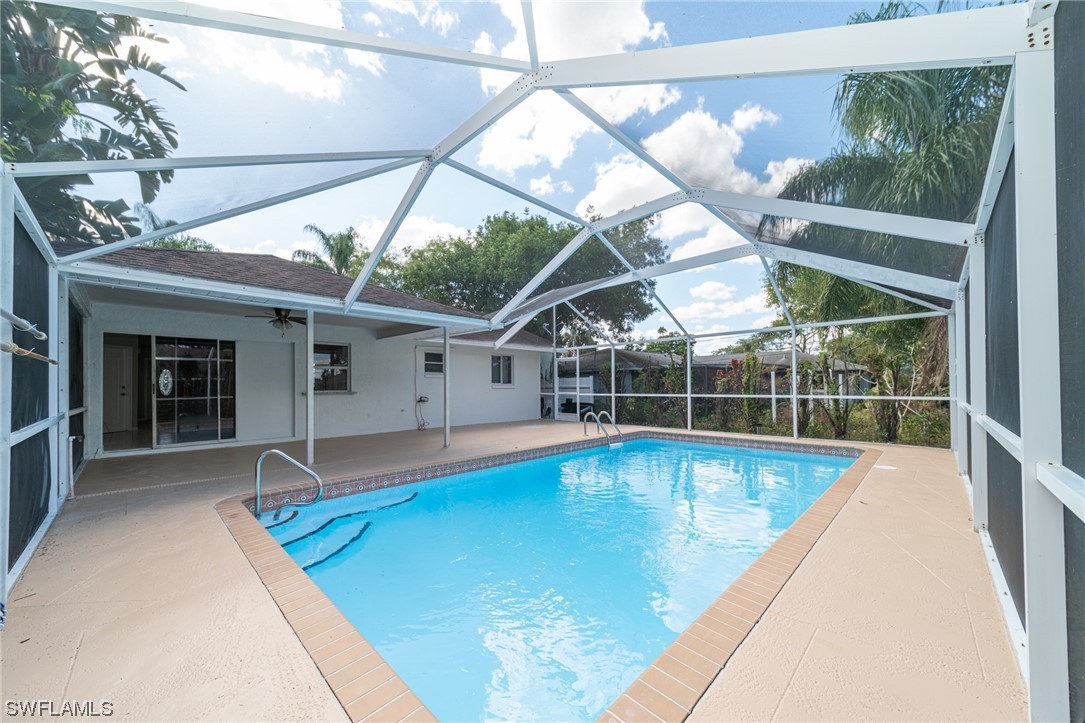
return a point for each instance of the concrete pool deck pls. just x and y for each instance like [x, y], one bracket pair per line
[142, 597]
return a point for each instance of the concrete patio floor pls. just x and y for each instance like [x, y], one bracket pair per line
[139, 595]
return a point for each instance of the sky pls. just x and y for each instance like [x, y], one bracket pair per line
[253, 95]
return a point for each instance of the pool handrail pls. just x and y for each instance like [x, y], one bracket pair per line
[299, 465]
[598, 425]
[599, 419]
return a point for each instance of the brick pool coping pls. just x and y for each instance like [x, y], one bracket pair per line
[367, 687]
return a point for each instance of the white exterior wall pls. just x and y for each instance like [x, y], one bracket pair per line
[386, 377]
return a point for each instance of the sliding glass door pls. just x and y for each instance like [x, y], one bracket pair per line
[194, 390]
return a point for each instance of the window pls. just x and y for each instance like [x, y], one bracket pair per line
[434, 363]
[501, 369]
[331, 368]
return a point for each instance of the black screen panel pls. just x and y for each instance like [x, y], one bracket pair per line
[29, 377]
[31, 480]
[1075, 611]
[75, 357]
[1003, 364]
[1070, 216]
[1004, 520]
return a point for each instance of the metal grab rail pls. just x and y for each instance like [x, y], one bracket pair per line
[598, 425]
[605, 413]
[299, 465]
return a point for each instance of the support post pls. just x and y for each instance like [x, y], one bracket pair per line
[7, 261]
[1041, 410]
[613, 391]
[954, 388]
[554, 329]
[977, 341]
[448, 387]
[772, 389]
[794, 387]
[310, 421]
[689, 385]
[960, 371]
[578, 385]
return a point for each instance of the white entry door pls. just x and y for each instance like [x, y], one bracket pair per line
[118, 390]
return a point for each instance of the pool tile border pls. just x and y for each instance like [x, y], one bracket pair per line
[351, 485]
[369, 690]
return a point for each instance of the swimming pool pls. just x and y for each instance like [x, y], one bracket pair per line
[541, 590]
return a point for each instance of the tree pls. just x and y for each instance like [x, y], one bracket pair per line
[151, 221]
[483, 270]
[67, 96]
[913, 142]
[337, 251]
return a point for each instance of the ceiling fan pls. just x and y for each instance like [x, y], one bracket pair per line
[279, 318]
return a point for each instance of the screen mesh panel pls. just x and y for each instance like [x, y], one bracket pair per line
[1070, 200]
[1004, 519]
[1075, 611]
[75, 357]
[29, 377]
[927, 258]
[1070, 216]
[31, 481]
[1003, 364]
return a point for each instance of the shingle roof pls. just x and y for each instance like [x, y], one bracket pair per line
[520, 338]
[259, 270]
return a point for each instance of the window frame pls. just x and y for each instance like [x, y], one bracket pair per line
[346, 367]
[426, 363]
[512, 371]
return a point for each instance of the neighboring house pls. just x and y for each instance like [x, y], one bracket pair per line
[628, 364]
[184, 349]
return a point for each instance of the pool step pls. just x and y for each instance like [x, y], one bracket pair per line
[327, 543]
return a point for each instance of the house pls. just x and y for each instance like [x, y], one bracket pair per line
[184, 349]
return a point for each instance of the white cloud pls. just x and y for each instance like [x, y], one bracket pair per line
[544, 130]
[713, 291]
[267, 246]
[700, 311]
[373, 19]
[428, 13]
[415, 231]
[545, 186]
[703, 151]
[304, 69]
[751, 115]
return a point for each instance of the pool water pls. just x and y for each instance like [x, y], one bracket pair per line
[541, 590]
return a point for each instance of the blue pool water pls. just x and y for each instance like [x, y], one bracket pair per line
[541, 590]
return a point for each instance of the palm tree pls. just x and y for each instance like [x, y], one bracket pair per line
[66, 97]
[151, 221]
[338, 251]
[914, 142]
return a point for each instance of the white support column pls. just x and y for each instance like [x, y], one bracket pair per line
[613, 391]
[772, 388]
[58, 453]
[959, 372]
[689, 384]
[578, 385]
[1041, 419]
[7, 260]
[794, 387]
[448, 387]
[310, 420]
[60, 332]
[977, 341]
[954, 389]
[554, 330]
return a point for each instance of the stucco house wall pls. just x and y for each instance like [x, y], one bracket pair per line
[387, 376]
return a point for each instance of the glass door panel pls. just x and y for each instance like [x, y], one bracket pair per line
[194, 389]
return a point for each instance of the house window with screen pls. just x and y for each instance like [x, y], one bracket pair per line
[331, 368]
[501, 370]
[434, 363]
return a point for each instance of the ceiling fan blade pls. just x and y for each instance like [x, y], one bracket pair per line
[296, 320]
[257, 316]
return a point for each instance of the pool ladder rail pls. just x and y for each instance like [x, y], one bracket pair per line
[315, 477]
[599, 425]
